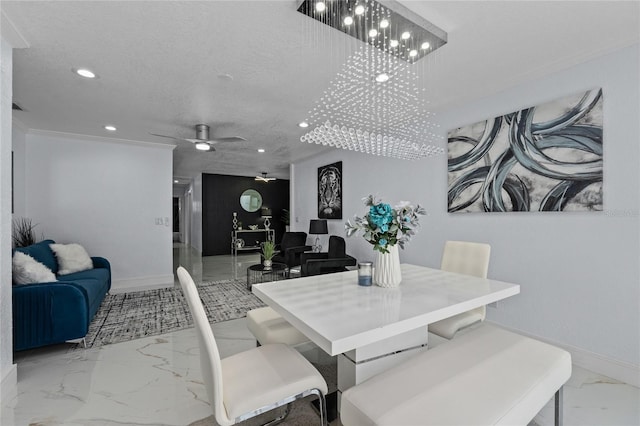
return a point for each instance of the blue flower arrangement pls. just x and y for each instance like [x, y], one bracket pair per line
[384, 226]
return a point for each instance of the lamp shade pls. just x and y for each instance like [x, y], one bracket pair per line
[318, 226]
[265, 212]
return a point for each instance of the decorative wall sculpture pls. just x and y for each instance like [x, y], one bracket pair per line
[330, 191]
[544, 158]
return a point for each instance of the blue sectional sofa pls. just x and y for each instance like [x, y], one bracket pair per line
[54, 312]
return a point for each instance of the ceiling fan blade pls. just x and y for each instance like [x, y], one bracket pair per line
[229, 139]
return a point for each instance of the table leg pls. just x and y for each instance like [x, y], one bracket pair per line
[358, 365]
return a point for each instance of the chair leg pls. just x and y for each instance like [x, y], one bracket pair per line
[280, 418]
[323, 407]
[558, 407]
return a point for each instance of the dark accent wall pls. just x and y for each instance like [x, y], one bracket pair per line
[221, 197]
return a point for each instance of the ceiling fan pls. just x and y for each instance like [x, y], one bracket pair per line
[264, 178]
[202, 140]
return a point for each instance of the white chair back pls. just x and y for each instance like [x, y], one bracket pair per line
[466, 258]
[209, 355]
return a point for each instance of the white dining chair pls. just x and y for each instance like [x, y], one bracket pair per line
[469, 259]
[268, 326]
[250, 383]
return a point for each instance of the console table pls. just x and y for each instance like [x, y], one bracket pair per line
[244, 234]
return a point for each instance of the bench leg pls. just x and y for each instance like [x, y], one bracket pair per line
[558, 413]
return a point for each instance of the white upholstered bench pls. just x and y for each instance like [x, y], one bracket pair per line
[488, 376]
[269, 327]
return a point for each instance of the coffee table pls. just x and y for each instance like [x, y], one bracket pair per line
[259, 274]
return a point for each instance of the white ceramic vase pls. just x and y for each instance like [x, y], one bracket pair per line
[387, 270]
[267, 264]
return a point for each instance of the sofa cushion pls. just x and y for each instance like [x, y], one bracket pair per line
[42, 253]
[27, 270]
[71, 258]
[96, 274]
[95, 288]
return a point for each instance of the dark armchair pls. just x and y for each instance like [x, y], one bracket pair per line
[334, 260]
[293, 244]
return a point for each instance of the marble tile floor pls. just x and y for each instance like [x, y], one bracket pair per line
[156, 380]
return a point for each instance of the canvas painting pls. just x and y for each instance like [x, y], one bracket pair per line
[330, 191]
[543, 158]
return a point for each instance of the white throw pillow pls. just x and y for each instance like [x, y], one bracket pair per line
[71, 258]
[27, 270]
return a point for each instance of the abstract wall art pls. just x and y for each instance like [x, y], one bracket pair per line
[543, 158]
[330, 191]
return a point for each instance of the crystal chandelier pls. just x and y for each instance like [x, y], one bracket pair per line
[385, 24]
[375, 104]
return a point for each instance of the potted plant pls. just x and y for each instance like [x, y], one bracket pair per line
[23, 232]
[268, 251]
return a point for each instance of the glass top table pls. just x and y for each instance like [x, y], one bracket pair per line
[260, 274]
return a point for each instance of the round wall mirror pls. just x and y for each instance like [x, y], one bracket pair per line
[251, 200]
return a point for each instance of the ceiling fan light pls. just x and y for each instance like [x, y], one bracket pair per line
[203, 146]
[83, 72]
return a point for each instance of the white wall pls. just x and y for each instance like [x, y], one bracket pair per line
[18, 147]
[105, 195]
[580, 284]
[7, 368]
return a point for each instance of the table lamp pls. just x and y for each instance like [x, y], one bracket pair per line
[318, 227]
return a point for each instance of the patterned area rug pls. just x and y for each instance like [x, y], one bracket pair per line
[129, 316]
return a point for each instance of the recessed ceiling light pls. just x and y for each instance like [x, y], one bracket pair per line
[413, 53]
[425, 45]
[384, 23]
[373, 32]
[261, 150]
[203, 146]
[110, 128]
[382, 77]
[348, 20]
[359, 9]
[175, 181]
[303, 124]
[393, 43]
[83, 72]
[320, 6]
[405, 35]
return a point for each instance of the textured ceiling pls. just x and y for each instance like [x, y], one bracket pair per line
[255, 69]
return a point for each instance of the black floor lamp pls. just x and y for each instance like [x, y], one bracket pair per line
[318, 227]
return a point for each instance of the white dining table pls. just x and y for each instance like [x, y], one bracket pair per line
[374, 328]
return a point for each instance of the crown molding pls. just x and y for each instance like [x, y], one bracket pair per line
[20, 125]
[11, 34]
[104, 139]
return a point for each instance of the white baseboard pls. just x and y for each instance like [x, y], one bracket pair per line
[9, 385]
[141, 284]
[613, 368]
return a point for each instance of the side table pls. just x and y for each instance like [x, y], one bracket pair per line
[259, 274]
